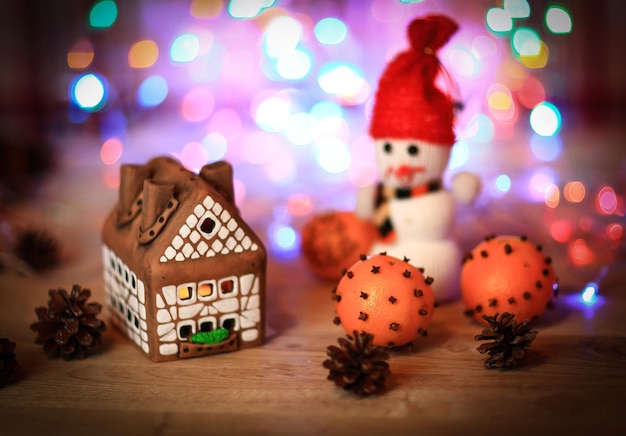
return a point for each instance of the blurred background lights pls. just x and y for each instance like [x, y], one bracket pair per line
[197, 105]
[294, 65]
[284, 240]
[540, 182]
[340, 79]
[538, 60]
[193, 156]
[215, 145]
[330, 31]
[88, 92]
[459, 155]
[574, 191]
[589, 294]
[111, 151]
[243, 9]
[80, 55]
[152, 91]
[301, 129]
[558, 20]
[546, 148]
[580, 253]
[545, 119]
[480, 129]
[503, 183]
[561, 230]
[517, 8]
[103, 14]
[526, 42]
[332, 155]
[185, 48]
[272, 114]
[484, 47]
[498, 20]
[143, 54]
[282, 36]
[606, 201]
[462, 62]
[552, 195]
[206, 8]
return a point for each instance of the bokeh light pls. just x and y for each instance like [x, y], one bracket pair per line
[301, 129]
[215, 145]
[80, 55]
[541, 181]
[561, 230]
[332, 155]
[193, 156]
[282, 36]
[580, 253]
[185, 48]
[503, 183]
[206, 8]
[111, 151]
[143, 54]
[606, 201]
[294, 65]
[330, 31]
[197, 105]
[517, 8]
[152, 91]
[558, 20]
[526, 42]
[272, 114]
[459, 155]
[498, 20]
[545, 119]
[103, 14]
[552, 195]
[284, 240]
[574, 191]
[538, 60]
[546, 148]
[243, 9]
[88, 92]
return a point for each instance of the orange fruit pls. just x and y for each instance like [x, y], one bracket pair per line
[333, 241]
[507, 274]
[386, 297]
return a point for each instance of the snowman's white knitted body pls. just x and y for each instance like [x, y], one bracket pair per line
[418, 226]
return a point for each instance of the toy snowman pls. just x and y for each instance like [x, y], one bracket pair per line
[412, 127]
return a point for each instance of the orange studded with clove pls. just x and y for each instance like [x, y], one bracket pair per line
[386, 297]
[507, 274]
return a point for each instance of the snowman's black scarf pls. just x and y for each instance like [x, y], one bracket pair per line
[387, 227]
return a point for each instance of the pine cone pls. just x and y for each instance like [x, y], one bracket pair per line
[38, 249]
[69, 327]
[510, 340]
[7, 359]
[358, 366]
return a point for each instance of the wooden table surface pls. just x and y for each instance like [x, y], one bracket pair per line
[572, 382]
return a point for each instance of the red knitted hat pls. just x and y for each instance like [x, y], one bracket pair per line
[408, 104]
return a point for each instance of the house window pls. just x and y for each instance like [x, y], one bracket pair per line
[207, 324]
[230, 323]
[186, 293]
[186, 329]
[208, 225]
[228, 287]
[207, 290]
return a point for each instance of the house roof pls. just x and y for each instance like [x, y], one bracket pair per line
[177, 215]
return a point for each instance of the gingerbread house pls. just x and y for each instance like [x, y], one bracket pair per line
[179, 259]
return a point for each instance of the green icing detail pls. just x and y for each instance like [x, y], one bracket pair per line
[214, 337]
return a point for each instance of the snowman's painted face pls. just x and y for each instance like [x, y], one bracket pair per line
[405, 162]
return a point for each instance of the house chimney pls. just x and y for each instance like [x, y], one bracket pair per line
[220, 176]
[157, 199]
[131, 183]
